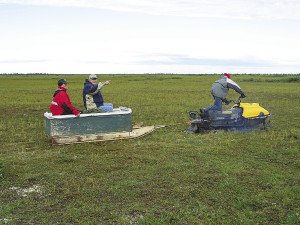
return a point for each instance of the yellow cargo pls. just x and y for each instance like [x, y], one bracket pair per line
[251, 110]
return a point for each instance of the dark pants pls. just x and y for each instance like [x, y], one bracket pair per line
[217, 105]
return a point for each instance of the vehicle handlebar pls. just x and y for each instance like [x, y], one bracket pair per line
[238, 101]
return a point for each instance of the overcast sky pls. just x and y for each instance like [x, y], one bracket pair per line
[150, 36]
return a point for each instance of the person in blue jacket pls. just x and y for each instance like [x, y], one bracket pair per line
[92, 97]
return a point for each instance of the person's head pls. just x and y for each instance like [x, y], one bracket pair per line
[93, 78]
[62, 83]
[227, 75]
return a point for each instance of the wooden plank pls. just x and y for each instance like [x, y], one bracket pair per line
[135, 133]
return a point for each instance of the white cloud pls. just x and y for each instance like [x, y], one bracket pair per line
[247, 9]
[66, 40]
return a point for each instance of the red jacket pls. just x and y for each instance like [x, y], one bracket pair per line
[61, 104]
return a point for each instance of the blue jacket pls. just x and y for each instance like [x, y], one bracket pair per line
[90, 88]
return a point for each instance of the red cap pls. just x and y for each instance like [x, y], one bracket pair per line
[227, 75]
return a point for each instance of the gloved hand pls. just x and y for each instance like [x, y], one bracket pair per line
[106, 82]
[243, 95]
[226, 101]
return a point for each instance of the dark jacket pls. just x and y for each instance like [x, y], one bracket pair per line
[61, 104]
[92, 89]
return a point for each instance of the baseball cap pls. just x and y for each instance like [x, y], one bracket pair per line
[61, 82]
[93, 77]
[227, 75]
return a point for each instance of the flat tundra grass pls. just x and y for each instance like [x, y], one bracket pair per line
[167, 177]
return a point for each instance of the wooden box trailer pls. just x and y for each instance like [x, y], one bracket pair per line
[67, 129]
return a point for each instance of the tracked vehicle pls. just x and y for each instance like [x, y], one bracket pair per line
[241, 117]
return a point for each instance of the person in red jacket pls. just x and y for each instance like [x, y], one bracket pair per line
[61, 104]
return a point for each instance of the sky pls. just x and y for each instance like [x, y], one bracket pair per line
[149, 36]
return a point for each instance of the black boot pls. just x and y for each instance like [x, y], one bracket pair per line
[203, 114]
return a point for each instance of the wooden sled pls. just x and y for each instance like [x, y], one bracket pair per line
[94, 127]
[135, 133]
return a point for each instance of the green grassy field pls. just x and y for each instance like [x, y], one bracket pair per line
[167, 177]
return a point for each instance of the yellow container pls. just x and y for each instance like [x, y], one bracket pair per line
[251, 110]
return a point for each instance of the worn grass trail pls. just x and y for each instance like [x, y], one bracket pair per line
[167, 177]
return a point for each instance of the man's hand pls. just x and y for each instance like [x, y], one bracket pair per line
[107, 82]
[243, 95]
[226, 101]
[77, 115]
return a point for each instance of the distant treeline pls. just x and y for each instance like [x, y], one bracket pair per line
[118, 74]
[285, 79]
